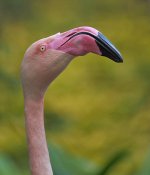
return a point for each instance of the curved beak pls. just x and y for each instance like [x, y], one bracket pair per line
[106, 47]
[99, 43]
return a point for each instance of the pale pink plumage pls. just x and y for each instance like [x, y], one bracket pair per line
[44, 60]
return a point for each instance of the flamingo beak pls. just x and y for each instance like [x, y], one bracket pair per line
[99, 43]
[106, 48]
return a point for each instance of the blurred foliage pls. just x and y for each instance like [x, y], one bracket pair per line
[113, 161]
[96, 107]
[64, 163]
[145, 169]
[7, 166]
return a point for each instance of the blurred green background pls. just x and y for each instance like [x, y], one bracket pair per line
[97, 111]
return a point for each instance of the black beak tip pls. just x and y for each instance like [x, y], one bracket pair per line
[120, 60]
[108, 49]
[114, 56]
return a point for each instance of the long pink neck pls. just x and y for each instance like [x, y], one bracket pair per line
[38, 151]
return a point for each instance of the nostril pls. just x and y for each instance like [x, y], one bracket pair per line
[71, 34]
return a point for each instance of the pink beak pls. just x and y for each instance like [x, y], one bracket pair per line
[82, 40]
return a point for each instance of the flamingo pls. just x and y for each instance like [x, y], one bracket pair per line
[43, 61]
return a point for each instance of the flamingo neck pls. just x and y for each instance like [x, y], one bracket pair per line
[37, 145]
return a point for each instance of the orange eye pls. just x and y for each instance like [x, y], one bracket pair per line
[42, 48]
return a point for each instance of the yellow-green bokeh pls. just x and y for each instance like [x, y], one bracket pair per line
[95, 107]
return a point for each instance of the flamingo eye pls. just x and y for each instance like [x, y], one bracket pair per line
[42, 48]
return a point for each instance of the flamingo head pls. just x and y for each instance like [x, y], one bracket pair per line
[45, 59]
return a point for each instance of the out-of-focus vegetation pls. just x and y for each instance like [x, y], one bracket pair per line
[96, 108]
